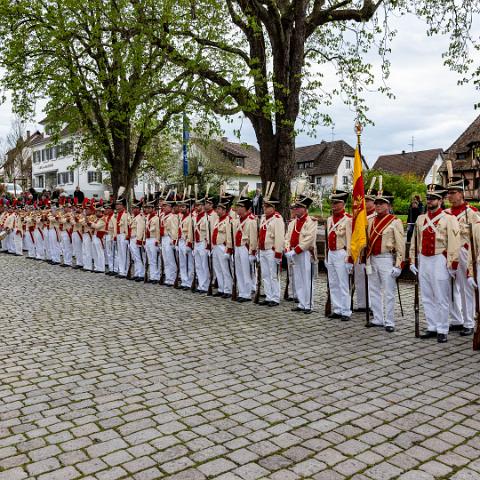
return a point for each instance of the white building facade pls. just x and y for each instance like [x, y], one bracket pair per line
[54, 166]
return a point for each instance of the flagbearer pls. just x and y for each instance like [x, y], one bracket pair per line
[339, 233]
[385, 256]
[271, 243]
[463, 308]
[438, 240]
[300, 248]
[359, 267]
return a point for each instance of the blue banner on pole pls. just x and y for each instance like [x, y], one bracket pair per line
[185, 146]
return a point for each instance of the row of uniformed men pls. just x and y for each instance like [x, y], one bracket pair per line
[440, 254]
[205, 239]
[200, 237]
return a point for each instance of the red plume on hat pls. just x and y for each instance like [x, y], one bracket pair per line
[101, 202]
[92, 202]
[75, 201]
[85, 202]
[15, 201]
[35, 204]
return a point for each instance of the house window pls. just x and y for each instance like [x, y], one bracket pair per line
[37, 156]
[461, 156]
[67, 148]
[318, 180]
[40, 182]
[240, 162]
[65, 177]
[348, 163]
[345, 180]
[94, 177]
[43, 155]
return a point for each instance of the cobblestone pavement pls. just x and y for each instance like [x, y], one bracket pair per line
[106, 379]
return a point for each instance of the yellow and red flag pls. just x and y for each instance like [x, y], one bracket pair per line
[359, 222]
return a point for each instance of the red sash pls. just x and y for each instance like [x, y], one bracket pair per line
[376, 235]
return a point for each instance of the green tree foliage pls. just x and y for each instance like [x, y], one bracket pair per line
[94, 64]
[403, 188]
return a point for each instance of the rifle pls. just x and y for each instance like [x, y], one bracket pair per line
[234, 276]
[146, 267]
[367, 294]
[476, 334]
[210, 260]
[256, 298]
[177, 263]
[287, 283]
[162, 271]
[193, 287]
[328, 303]
[416, 304]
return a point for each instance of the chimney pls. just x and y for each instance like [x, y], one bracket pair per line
[28, 134]
[403, 152]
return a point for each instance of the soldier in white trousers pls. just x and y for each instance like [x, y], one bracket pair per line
[185, 242]
[152, 242]
[338, 262]
[202, 238]
[100, 230]
[120, 235]
[300, 250]
[65, 226]
[359, 267]
[111, 250]
[77, 237]
[463, 308]
[169, 224]
[244, 242]
[137, 251]
[438, 243]
[385, 260]
[271, 243]
[221, 234]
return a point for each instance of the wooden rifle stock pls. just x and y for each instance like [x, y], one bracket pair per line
[476, 333]
[234, 279]
[416, 298]
[328, 303]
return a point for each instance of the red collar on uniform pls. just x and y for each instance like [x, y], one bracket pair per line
[434, 214]
[458, 210]
[338, 216]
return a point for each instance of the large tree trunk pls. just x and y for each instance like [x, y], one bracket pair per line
[277, 153]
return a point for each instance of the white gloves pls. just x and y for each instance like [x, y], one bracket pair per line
[452, 272]
[414, 269]
[349, 267]
[396, 272]
[290, 254]
[471, 281]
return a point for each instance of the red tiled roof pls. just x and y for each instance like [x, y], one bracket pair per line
[325, 155]
[419, 163]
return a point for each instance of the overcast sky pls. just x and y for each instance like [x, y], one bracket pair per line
[429, 105]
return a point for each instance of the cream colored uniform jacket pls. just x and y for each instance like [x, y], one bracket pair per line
[12, 223]
[275, 234]
[464, 219]
[170, 223]
[77, 222]
[201, 228]
[343, 230]
[152, 226]
[187, 229]
[99, 226]
[224, 231]
[110, 226]
[213, 219]
[248, 229]
[447, 238]
[308, 236]
[3, 217]
[122, 228]
[393, 240]
[53, 221]
[66, 221]
[137, 226]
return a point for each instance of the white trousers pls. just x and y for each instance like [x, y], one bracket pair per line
[303, 280]
[463, 307]
[46, 239]
[244, 271]
[39, 244]
[54, 243]
[153, 254]
[434, 281]
[87, 251]
[136, 251]
[99, 254]
[111, 252]
[15, 243]
[382, 290]
[168, 256]
[359, 278]
[338, 282]
[67, 248]
[221, 266]
[29, 243]
[77, 239]
[186, 263]
[270, 276]
[201, 264]
[121, 260]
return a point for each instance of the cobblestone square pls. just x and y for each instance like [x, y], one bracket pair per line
[101, 378]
